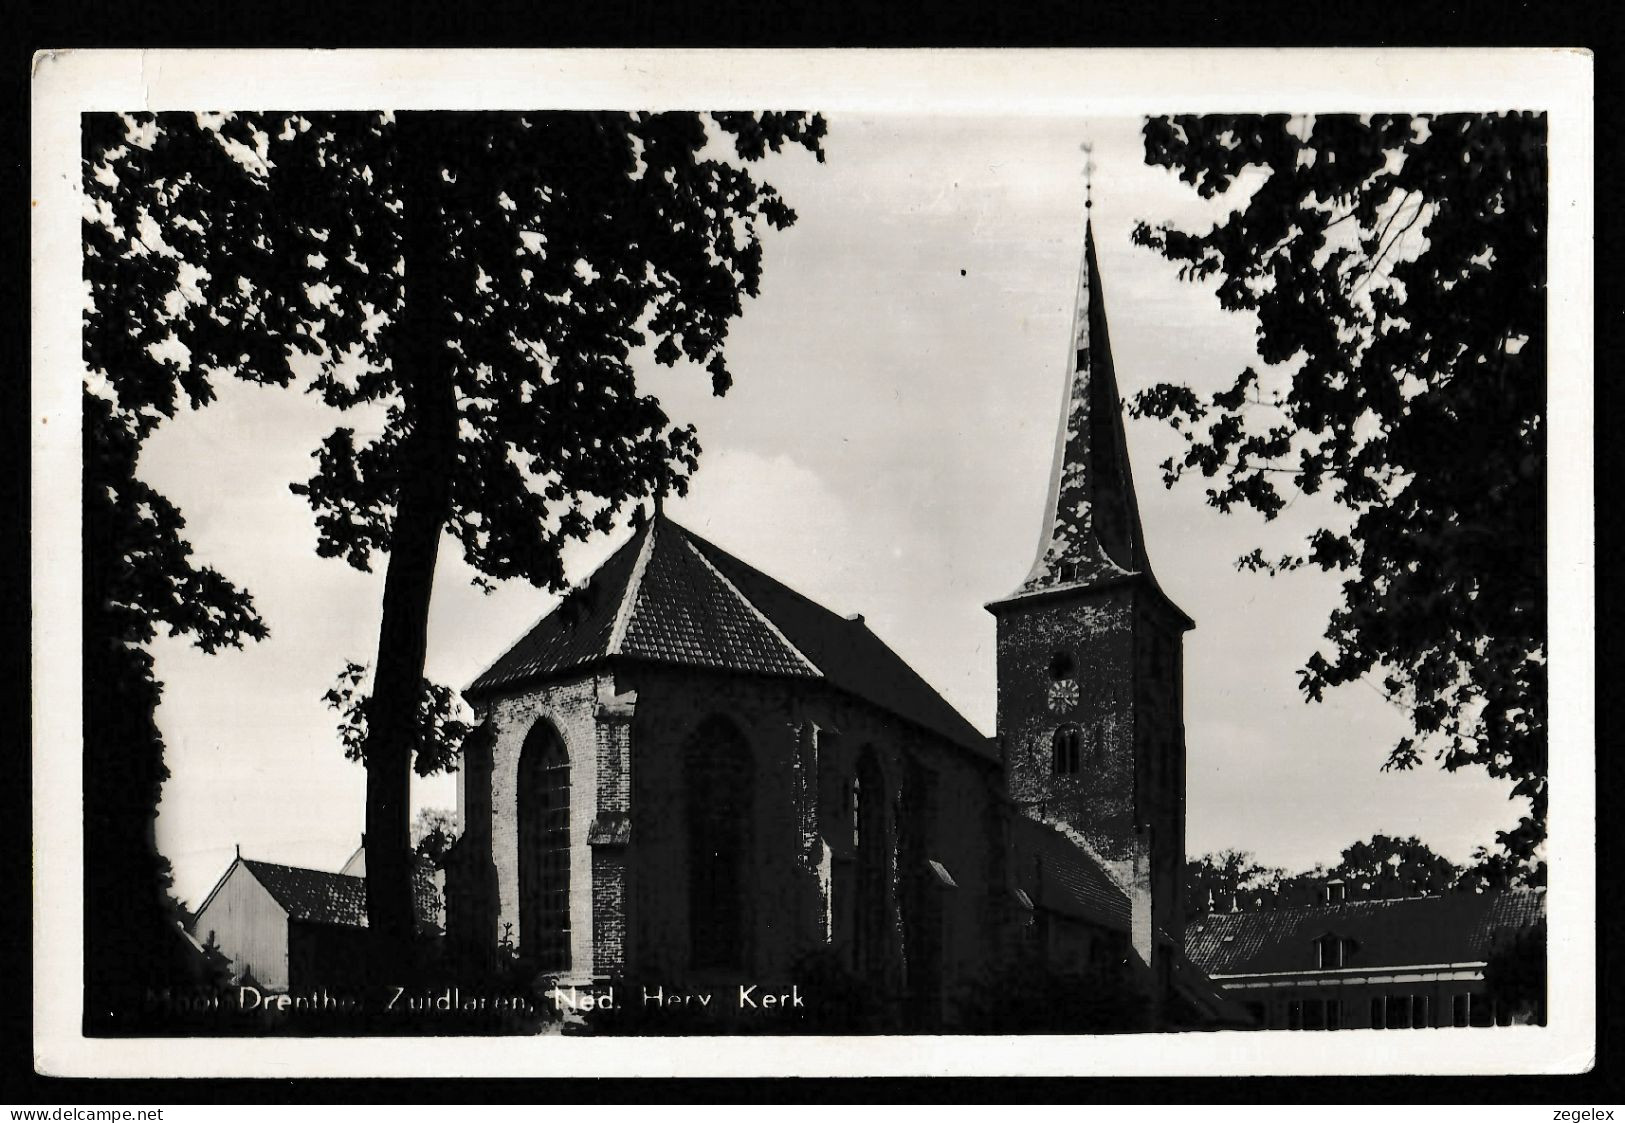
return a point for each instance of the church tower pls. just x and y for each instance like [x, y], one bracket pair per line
[1090, 664]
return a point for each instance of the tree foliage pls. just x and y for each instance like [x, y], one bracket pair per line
[139, 575]
[433, 832]
[440, 725]
[1226, 879]
[1379, 868]
[1396, 267]
[475, 288]
[1515, 976]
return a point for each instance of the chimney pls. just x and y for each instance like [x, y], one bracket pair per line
[1235, 903]
[1335, 891]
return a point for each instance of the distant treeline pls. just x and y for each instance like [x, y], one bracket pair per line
[1380, 868]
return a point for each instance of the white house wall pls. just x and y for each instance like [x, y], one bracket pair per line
[249, 926]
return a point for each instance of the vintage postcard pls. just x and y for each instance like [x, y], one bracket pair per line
[813, 563]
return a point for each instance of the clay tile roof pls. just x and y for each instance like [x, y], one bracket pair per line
[687, 612]
[669, 596]
[1058, 874]
[335, 898]
[1412, 931]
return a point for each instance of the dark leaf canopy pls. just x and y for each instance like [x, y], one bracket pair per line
[439, 725]
[138, 566]
[541, 251]
[1396, 267]
[1379, 868]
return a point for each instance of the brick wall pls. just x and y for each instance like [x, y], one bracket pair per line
[625, 737]
[1126, 700]
[571, 707]
[1096, 632]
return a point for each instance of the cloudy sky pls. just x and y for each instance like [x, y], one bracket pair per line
[885, 450]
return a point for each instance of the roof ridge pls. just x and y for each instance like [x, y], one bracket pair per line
[299, 869]
[1322, 907]
[755, 610]
[1072, 835]
[629, 598]
[697, 541]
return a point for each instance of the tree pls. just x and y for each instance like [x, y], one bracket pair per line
[1386, 867]
[1379, 868]
[476, 284]
[438, 732]
[1515, 976]
[1228, 877]
[1397, 269]
[138, 571]
[433, 832]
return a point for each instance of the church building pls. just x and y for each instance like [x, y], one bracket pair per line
[690, 772]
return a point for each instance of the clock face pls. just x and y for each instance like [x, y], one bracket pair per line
[1063, 694]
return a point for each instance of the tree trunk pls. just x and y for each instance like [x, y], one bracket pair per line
[423, 503]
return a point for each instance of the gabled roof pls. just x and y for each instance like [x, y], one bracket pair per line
[1411, 931]
[321, 897]
[669, 596]
[327, 898]
[1059, 874]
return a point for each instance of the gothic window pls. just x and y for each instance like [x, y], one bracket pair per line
[718, 787]
[1066, 751]
[544, 849]
[869, 791]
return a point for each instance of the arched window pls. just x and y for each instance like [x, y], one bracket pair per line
[1066, 751]
[869, 788]
[544, 849]
[717, 776]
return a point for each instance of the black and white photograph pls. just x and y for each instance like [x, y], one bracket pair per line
[1035, 562]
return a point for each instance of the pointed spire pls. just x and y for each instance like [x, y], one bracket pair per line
[1091, 521]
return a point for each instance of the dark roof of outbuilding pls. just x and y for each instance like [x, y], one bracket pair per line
[1058, 873]
[1411, 931]
[335, 898]
[669, 596]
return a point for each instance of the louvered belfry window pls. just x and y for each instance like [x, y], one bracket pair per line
[544, 849]
[1066, 751]
[717, 804]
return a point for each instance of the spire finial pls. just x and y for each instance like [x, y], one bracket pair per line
[1088, 173]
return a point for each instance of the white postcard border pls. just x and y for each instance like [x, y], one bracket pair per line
[1077, 83]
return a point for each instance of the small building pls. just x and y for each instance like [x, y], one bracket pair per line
[1410, 963]
[289, 928]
